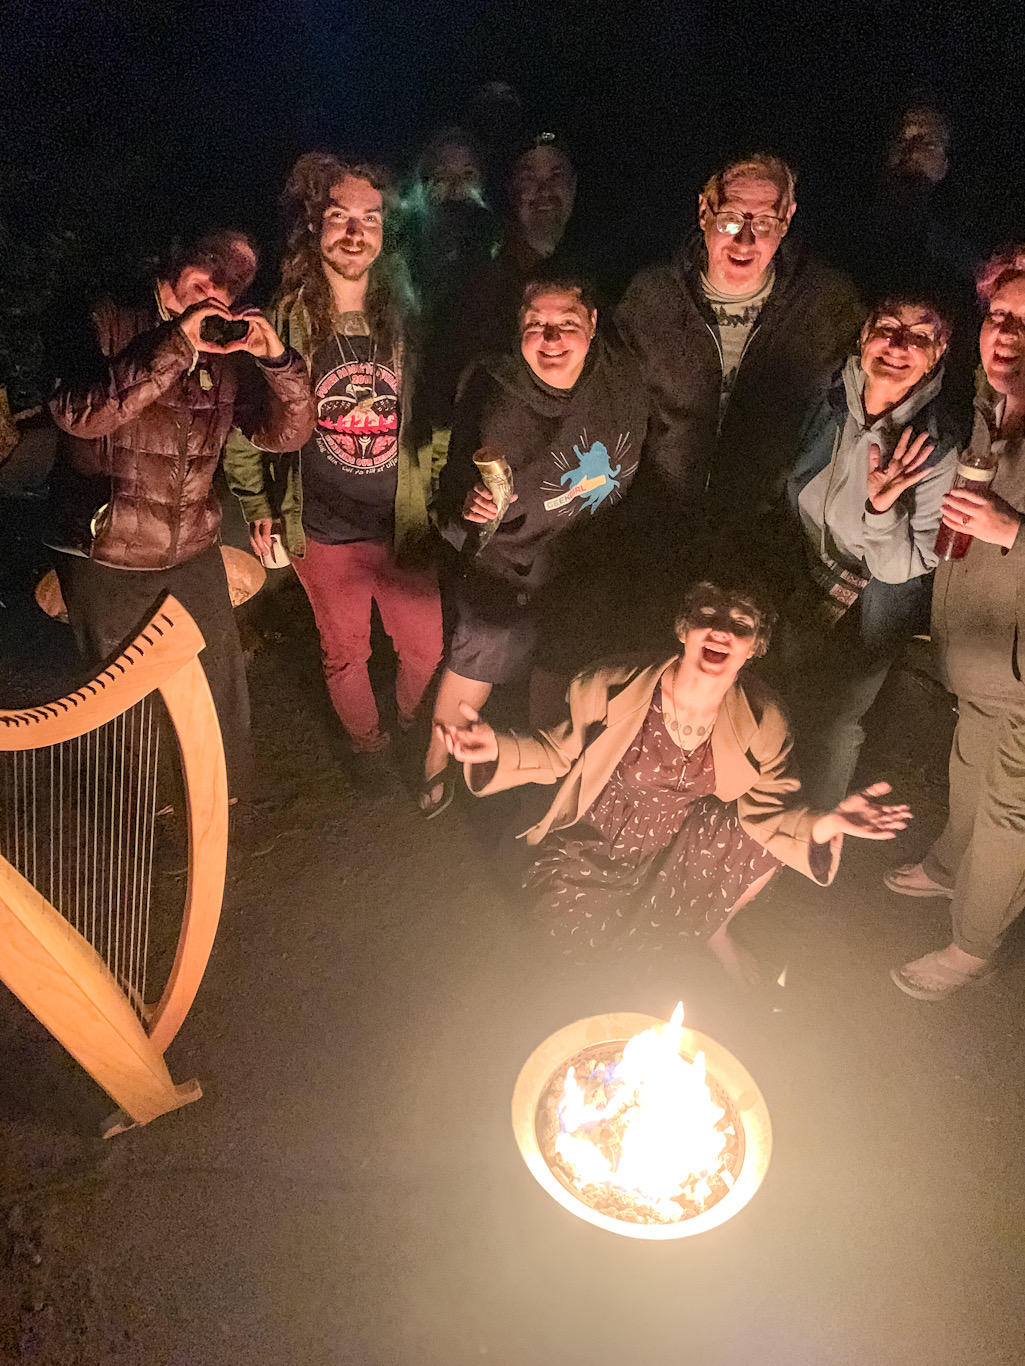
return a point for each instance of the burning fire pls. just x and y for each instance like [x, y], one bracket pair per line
[647, 1125]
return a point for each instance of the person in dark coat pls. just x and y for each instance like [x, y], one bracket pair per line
[735, 336]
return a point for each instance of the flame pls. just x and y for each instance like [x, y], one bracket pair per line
[646, 1125]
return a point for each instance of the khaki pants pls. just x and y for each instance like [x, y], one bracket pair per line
[981, 853]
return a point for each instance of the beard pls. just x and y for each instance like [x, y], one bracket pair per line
[349, 267]
[543, 229]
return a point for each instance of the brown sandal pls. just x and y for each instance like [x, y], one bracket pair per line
[914, 978]
[911, 879]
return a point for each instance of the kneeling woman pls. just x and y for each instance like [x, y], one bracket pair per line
[676, 801]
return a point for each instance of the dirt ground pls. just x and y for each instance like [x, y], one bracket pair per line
[348, 1190]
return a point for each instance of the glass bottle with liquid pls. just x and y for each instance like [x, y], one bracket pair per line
[975, 471]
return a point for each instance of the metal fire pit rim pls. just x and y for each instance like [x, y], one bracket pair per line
[618, 1027]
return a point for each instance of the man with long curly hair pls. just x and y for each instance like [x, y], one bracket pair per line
[354, 511]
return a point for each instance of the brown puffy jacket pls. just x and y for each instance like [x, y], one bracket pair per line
[144, 432]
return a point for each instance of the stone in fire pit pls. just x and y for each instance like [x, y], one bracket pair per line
[591, 1128]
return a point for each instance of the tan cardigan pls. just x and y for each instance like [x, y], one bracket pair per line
[978, 602]
[608, 703]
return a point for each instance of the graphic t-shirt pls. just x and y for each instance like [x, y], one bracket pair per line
[350, 464]
[736, 316]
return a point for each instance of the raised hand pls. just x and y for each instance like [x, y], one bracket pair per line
[473, 743]
[982, 515]
[261, 340]
[862, 816]
[191, 321]
[906, 467]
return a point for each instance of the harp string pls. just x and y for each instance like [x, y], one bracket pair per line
[79, 822]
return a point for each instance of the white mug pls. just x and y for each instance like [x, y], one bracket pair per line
[278, 557]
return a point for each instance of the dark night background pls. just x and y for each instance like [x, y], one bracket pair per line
[348, 1192]
[127, 121]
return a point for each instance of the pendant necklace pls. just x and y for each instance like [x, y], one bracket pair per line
[674, 724]
[355, 325]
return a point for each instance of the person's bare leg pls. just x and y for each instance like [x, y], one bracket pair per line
[452, 690]
[737, 961]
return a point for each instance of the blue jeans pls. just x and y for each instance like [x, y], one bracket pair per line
[832, 674]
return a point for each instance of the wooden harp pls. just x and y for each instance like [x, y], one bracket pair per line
[79, 779]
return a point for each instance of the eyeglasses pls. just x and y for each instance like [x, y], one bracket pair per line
[1004, 322]
[732, 221]
[897, 334]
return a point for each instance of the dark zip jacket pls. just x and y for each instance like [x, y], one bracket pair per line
[699, 483]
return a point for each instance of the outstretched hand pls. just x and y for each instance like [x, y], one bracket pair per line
[906, 467]
[862, 816]
[473, 743]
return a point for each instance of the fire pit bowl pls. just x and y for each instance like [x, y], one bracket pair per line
[748, 1145]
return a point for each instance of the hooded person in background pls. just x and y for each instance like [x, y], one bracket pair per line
[145, 402]
[448, 235]
[877, 455]
[896, 239]
[540, 193]
[448, 228]
[567, 411]
[736, 337]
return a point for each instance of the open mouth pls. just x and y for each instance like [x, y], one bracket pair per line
[739, 262]
[710, 655]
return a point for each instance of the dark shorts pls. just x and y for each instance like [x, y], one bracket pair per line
[502, 632]
[495, 636]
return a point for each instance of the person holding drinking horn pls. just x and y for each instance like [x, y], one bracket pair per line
[563, 416]
[676, 801]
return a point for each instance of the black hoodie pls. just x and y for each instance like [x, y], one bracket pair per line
[573, 454]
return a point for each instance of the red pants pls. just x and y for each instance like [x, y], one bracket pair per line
[342, 582]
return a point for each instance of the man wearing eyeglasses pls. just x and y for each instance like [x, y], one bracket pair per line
[736, 335]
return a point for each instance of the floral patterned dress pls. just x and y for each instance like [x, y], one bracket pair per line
[657, 855]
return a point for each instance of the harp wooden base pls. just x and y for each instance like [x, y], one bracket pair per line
[121, 1121]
